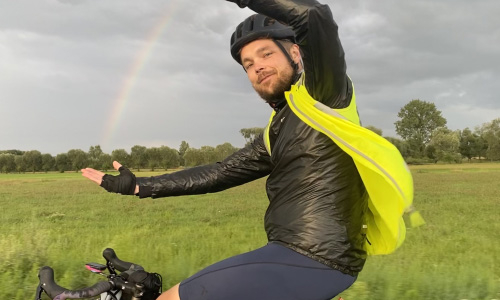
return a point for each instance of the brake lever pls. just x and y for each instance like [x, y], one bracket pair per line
[39, 291]
[111, 268]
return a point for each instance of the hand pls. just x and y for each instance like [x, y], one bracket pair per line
[123, 184]
[241, 3]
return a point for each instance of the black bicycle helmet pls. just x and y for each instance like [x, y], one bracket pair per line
[255, 27]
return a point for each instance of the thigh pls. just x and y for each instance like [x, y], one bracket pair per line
[272, 272]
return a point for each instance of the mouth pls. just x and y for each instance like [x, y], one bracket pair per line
[264, 78]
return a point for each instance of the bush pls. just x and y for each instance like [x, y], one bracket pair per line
[419, 161]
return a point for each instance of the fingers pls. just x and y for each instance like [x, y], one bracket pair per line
[94, 175]
[116, 165]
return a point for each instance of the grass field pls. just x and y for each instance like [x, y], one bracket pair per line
[64, 221]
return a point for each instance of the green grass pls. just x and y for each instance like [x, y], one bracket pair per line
[64, 221]
[454, 256]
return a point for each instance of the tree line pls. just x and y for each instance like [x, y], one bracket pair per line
[424, 139]
[139, 157]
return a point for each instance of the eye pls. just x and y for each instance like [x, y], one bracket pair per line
[248, 66]
[267, 54]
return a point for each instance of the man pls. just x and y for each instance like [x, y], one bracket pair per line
[317, 200]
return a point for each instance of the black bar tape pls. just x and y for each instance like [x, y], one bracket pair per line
[89, 292]
[56, 292]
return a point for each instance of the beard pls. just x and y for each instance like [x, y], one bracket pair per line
[274, 91]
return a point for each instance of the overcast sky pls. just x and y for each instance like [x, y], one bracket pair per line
[118, 73]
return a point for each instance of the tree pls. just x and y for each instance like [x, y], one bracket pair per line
[208, 154]
[95, 157]
[78, 159]
[62, 162]
[197, 157]
[445, 144]
[472, 144]
[98, 159]
[481, 146]
[153, 157]
[138, 157]
[374, 129]
[251, 133]
[182, 150]
[224, 150]
[193, 157]
[121, 156]
[20, 163]
[14, 152]
[48, 162]
[7, 162]
[169, 158]
[33, 160]
[418, 119]
[430, 152]
[106, 163]
[491, 133]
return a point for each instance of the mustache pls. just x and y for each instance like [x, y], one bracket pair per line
[263, 75]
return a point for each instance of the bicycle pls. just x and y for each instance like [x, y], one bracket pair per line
[132, 283]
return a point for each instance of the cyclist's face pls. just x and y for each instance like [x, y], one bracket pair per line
[268, 69]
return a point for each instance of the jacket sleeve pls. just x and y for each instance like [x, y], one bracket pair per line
[318, 38]
[247, 164]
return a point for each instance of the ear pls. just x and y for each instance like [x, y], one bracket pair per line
[295, 53]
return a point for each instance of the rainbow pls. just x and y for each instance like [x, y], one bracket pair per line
[120, 103]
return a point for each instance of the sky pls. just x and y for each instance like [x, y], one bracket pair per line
[119, 73]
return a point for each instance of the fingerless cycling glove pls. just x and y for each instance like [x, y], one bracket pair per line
[122, 184]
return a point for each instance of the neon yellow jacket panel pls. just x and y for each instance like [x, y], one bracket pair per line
[383, 170]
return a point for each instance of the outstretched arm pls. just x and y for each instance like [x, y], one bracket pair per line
[247, 164]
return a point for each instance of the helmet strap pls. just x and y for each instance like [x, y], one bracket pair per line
[294, 65]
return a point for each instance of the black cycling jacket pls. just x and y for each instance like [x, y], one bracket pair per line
[316, 197]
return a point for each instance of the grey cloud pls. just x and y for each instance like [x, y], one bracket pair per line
[63, 65]
[72, 2]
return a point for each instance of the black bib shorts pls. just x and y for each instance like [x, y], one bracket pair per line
[273, 272]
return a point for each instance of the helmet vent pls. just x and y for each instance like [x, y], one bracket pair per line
[269, 22]
[251, 23]
[239, 31]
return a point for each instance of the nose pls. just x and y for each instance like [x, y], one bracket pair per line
[258, 68]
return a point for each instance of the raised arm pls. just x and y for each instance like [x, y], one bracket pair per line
[317, 36]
